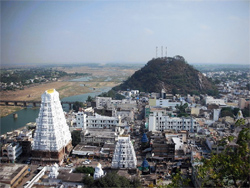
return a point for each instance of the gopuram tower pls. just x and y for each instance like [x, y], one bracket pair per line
[124, 155]
[52, 139]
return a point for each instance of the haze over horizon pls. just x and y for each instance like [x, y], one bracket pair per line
[124, 31]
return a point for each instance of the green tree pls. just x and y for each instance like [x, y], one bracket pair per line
[174, 91]
[89, 99]
[178, 180]
[77, 105]
[246, 112]
[76, 137]
[240, 122]
[85, 170]
[248, 86]
[88, 181]
[230, 168]
[111, 180]
[113, 94]
[182, 109]
[226, 111]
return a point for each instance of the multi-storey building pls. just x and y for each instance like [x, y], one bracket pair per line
[159, 121]
[10, 152]
[124, 154]
[165, 103]
[52, 138]
[211, 100]
[161, 146]
[124, 114]
[107, 102]
[102, 102]
[97, 121]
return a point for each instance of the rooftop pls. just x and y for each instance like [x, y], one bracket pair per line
[10, 171]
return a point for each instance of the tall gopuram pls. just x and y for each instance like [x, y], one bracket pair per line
[52, 139]
[124, 154]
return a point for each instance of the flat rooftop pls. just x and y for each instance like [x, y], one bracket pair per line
[9, 171]
[82, 149]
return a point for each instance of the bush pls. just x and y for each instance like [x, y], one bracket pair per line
[85, 170]
[111, 180]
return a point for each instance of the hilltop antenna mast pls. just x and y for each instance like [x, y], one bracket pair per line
[162, 51]
[156, 51]
[166, 52]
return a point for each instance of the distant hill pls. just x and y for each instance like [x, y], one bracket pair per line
[174, 75]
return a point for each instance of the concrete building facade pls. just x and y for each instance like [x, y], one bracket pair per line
[11, 151]
[158, 121]
[96, 122]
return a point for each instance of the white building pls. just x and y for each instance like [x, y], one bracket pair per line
[10, 152]
[124, 114]
[97, 121]
[52, 132]
[97, 137]
[165, 103]
[102, 102]
[25, 133]
[211, 100]
[107, 102]
[158, 121]
[124, 154]
[216, 114]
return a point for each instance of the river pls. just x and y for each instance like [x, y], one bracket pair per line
[29, 114]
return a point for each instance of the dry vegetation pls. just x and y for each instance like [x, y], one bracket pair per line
[65, 89]
[4, 111]
[63, 86]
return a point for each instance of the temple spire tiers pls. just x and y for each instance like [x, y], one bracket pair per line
[124, 155]
[52, 138]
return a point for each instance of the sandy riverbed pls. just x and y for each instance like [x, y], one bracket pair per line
[65, 89]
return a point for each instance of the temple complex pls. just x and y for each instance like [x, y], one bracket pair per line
[124, 155]
[52, 139]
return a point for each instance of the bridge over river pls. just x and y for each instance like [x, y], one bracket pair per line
[26, 103]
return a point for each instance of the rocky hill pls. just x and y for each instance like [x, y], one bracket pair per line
[174, 75]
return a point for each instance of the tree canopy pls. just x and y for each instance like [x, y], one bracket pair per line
[113, 94]
[111, 180]
[77, 105]
[76, 137]
[85, 170]
[230, 168]
[182, 110]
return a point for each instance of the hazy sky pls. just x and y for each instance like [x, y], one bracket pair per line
[124, 31]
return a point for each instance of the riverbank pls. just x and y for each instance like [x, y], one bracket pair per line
[6, 110]
[65, 89]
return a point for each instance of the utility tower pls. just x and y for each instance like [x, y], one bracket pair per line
[161, 51]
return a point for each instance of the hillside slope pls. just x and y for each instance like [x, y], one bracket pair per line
[172, 74]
